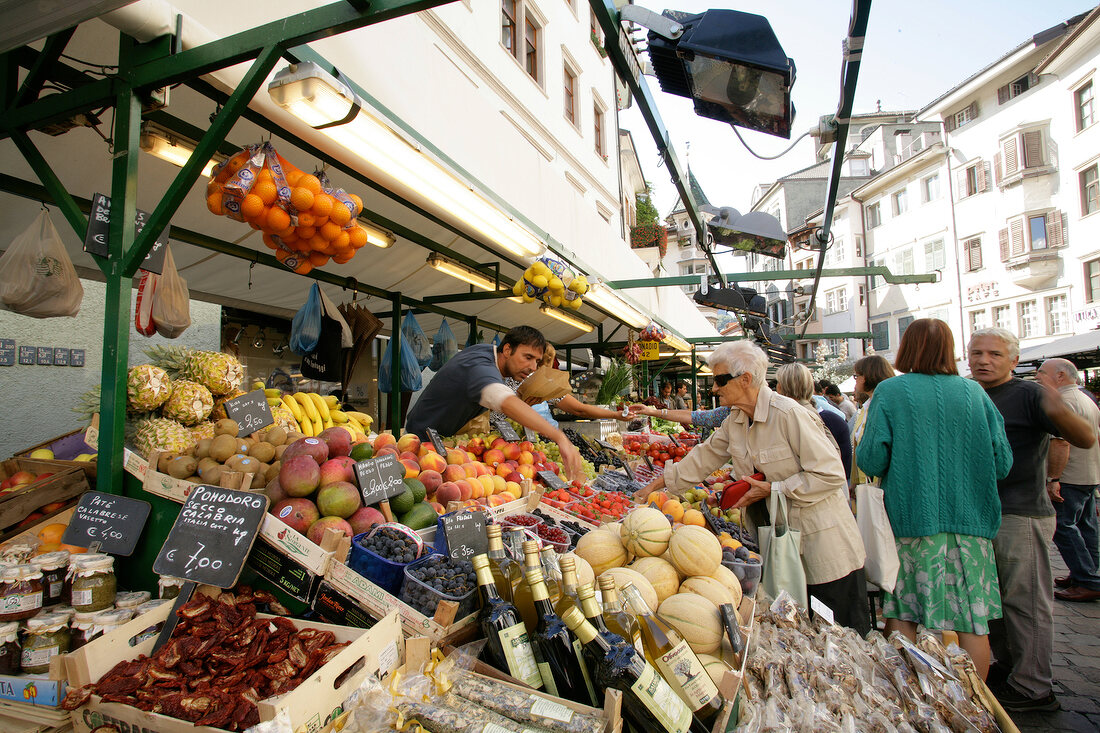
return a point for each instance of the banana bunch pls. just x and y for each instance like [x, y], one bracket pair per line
[314, 413]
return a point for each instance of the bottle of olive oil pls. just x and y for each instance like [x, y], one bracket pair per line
[509, 646]
[568, 597]
[618, 621]
[560, 661]
[506, 571]
[521, 595]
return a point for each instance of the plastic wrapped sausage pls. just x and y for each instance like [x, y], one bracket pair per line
[524, 706]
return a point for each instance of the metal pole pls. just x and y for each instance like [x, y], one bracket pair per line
[694, 386]
[395, 366]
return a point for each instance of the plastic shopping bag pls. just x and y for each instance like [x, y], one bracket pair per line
[882, 562]
[37, 278]
[305, 329]
[417, 339]
[171, 310]
[327, 361]
[444, 346]
[410, 369]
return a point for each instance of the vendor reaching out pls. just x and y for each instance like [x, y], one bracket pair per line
[473, 382]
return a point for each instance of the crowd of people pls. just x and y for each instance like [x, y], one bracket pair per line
[978, 476]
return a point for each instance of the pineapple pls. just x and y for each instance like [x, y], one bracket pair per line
[158, 433]
[285, 418]
[203, 430]
[147, 387]
[219, 412]
[189, 404]
[220, 373]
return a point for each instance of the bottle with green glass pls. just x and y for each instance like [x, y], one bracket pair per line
[560, 660]
[521, 595]
[507, 573]
[509, 647]
[666, 650]
[568, 597]
[649, 703]
[615, 618]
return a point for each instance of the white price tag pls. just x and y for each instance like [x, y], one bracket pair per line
[821, 610]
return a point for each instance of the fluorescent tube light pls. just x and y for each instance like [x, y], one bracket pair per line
[602, 296]
[376, 235]
[566, 318]
[172, 148]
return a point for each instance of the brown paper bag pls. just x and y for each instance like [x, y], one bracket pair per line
[477, 426]
[545, 383]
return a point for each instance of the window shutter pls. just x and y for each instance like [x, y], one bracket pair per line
[983, 176]
[1012, 160]
[1002, 236]
[960, 184]
[948, 123]
[973, 110]
[1016, 230]
[998, 163]
[1004, 94]
[975, 254]
[1055, 234]
[1033, 149]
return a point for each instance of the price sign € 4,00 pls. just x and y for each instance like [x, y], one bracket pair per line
[113, 522]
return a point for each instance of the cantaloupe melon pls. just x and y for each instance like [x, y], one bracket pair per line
[695, 618]
[623, 576]
[585, 573]
[661, 575]
[694, 551]
[715, 667]
[602, 550]
[645, 532]
[726, 577]
[711, 589]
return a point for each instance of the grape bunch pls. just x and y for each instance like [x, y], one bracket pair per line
[391, 544]
[438, 576]
[553, 453]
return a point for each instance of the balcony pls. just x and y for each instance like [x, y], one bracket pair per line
[917, 145]
[649, 235]
[1034, 270]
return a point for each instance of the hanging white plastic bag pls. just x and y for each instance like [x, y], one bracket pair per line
[37, 278]
[172, 301]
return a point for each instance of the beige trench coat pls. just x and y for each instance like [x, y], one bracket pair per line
[795, 452]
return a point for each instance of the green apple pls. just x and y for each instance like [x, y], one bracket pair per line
[42, 454]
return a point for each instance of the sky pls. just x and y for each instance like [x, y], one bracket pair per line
[914, 52]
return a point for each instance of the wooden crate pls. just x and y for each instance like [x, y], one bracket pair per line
[64, 484]
[69, 445]
[311, 706]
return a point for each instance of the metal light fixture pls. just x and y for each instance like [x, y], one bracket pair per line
[605, 298]
[260, 339]
[752, 232]
[566, 318]
[329, 104]
[461, 272]
[677, 343]
[376, 235]
[171, 147]
[729, 63]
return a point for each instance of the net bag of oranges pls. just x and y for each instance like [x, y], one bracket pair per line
[304, 218]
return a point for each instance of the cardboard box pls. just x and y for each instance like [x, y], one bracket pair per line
[311, 706]
[36, 690]
[134, 464]
[291, 561]
[334, 607]
[64, 484]
[177, 489]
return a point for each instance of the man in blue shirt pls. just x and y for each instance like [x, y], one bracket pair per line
[473, 381]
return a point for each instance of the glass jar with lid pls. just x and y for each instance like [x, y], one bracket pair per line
[131, 599]
[53, 566]
[94, 584]
[104, 622]
[20, 592]
[46, 637]
[75, 561]
[81, 626]
[11, 651]
[169, 587]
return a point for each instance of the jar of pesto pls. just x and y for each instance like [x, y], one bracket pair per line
[94, 584]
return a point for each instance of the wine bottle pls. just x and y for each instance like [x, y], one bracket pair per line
[551, 573]
[591, 611]
[509, 645]
[506, 571]
[521, 595]
[617, 620]
[649, 703]
[560, 662]
[675, 660]
[568, 597]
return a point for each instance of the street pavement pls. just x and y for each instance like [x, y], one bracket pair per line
[1076, 667]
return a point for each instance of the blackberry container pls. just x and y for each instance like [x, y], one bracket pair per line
[425, 599]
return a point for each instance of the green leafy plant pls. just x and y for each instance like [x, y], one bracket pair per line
[615, 381]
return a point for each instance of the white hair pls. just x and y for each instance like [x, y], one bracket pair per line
[741, 356]
[1003, 334]
[1064, 366]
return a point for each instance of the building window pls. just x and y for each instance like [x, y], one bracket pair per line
[1037, 231]
[903, 323]
[1092, 281]
[1083, 102]
[877, 281]
[972, 254]
[508, 25]
[836, 301]
[977, 320]
[863, 292]
[1031, 233]
[1029, 319]
[900, 202]
[570, 90]
[874, 216]
[1090, 191]
[531, 47]
[1016, 88]
[597, 129]
[834, 256]
[930, 188]
[859, 246]
[1020, 152]
[903, 262]
[934, 256]
[972, 179]
[880, 335]
[964, 116]
[1002, 317]
[1057, 314]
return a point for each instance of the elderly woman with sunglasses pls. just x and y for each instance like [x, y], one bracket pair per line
[790, 445]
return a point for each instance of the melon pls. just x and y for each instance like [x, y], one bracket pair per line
[726, 577]
[694, 551]
[584, 570]
[602, 550]
[661, 575]
[694, 618]
[709, 588]
[623, 576]
[715, 667]
[645, 532]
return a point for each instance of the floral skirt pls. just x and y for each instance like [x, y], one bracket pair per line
[946, 581]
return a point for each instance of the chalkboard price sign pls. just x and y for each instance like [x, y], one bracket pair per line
[551, 479]
[605, 444]
[251, 412]
[464, 531]
[115, 522]
[212, 536]
[504, 428]
[437, 442]
[380, 478]
[530, 434]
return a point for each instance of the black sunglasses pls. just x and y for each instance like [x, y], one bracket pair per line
[723, 379]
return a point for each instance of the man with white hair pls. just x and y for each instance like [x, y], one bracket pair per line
[1023, 643]
[1075, 475]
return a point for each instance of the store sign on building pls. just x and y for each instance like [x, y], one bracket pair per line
[1089, 317]
[982, 291]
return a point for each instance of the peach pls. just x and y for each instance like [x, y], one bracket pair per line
[526, 458]
[499, 483]
[514, 489]
[482, 469]
[457, 457]
[454, 473]
[433, 462]
[21, 478]
[511, 451]
[475, 447]
[504, 469]
[409, 442]
[383, 440]
[497, 500]
[498, 442]
[526, 445]
[526, 471]
[470, 469]
[476, 489]
[412, 468]
[432, 480]
[492, 457]
[425, 449]
[448, 492]
[466, 491]
[487, 485]
[514, 477]
[439, 509]
[540, 457]
[387, 450]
